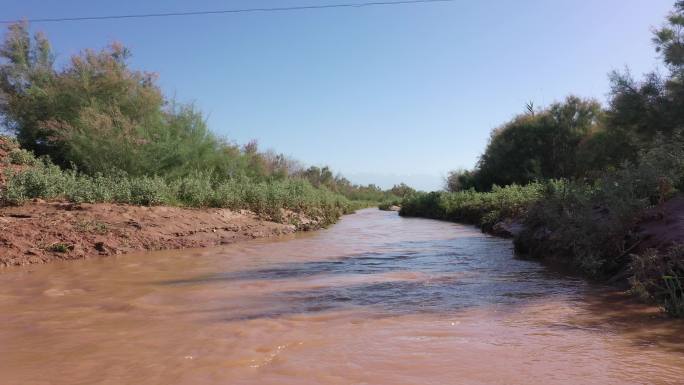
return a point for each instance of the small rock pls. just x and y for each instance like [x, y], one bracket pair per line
[100, 246]
[32, 251]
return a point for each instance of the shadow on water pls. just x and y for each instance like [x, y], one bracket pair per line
[443, 256]
[387, 299]
[624, 314]
[412, 277]
[443, 276]
[366, 263]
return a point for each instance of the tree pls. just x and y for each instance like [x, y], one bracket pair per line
[535, 146]
[669, 39]
[402, 190]
[25, 75]
[459, 180]
[641, 110]
[98, 114]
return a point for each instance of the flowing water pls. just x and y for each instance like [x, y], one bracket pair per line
[375, 299]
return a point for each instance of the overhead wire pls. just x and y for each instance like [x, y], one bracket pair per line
[225, 11]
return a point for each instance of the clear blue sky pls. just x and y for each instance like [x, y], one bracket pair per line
[381, 94]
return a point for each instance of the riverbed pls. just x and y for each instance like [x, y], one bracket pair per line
[374, 299]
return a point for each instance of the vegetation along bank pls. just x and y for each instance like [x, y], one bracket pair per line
[97, 161]
[597, 188]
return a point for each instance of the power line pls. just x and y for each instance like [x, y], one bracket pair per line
[228, 11]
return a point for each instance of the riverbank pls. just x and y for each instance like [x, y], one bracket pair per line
[41, 232]
[49, 214]
[597, 233]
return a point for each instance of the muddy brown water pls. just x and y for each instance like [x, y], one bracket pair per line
[375, 299]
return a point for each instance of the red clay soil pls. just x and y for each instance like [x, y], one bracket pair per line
[41, 232]
[663, 226]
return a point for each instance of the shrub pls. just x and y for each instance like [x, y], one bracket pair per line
[8, 143]
[229, 194]
[483, 209]
[83, 190]
[589, 224]
[47, 181]
[581, 224]
[659, 275]
[59, 247]
[149, 191]
[44, 181]
[195, 190]
[92, 226]
[20, 156]
[387, 205]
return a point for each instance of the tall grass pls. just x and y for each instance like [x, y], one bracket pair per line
[481, 208]
[387, 205]
[47, 181]
[659, 275]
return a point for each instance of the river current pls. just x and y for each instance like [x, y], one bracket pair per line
[374, 299]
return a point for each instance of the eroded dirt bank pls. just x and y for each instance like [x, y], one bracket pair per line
[41, 232]
[660, 227]
[663, 227]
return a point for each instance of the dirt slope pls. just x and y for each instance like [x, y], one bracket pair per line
[663, 226]
[41, 232]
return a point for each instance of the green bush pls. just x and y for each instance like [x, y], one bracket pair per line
[59, 247]
[589, 224]
[659, 276]
[229, 194]
[20, 156]
[195, 190]
[149, 191]
[483, 209]
[8, 143]
[581, 224]
[47, 181]
[388, 204]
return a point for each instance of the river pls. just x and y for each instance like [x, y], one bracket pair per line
[375, 299]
